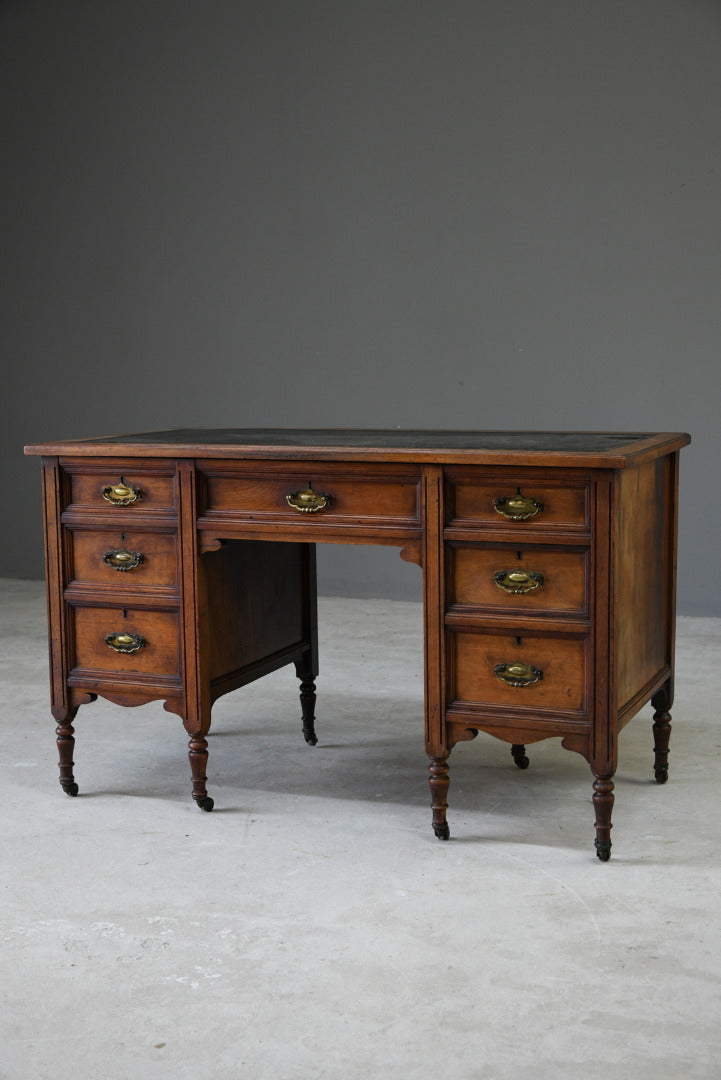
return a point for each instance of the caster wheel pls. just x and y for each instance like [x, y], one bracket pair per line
[312, 740]
[205, 803]
[519, 757]
[661, 776]
[604, 853]
[72, 790]
[443, 831]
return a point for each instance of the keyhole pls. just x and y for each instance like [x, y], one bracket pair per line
[519, 554]
[125, 613]
[518, 641]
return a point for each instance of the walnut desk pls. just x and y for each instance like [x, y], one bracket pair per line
[181, 565]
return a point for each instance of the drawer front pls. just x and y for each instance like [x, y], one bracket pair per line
[518, 501]
[120, 486]
[312, 494]
[106, 557]
[158, 653]
[519, 580]
[479, 660]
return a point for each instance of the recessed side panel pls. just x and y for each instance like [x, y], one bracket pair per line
[643, 547]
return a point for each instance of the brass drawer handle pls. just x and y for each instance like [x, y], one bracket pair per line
[125, 643]
[518, 674]
[518, 581]
[517, 507]
[308, 501]
[121, 494]
[123, 560]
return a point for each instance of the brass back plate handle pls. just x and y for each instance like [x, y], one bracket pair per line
[517, 507]
[308, 501]
[125, 643]
[123, 560]
[121, 494]
[518, 581]
[518, 674]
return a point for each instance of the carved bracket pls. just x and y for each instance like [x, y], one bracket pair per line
[412, 552]
[206, 542]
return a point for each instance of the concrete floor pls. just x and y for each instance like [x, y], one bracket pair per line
[312, 927]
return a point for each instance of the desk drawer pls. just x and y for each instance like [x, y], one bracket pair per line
[531, 579]
[311, 495]
[120, 486]
[539, 673]
[151, 635]
[501, 499]
[124, 559]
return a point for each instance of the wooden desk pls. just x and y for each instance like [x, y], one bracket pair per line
[548, 577]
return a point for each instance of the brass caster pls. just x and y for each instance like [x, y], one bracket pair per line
[518, 753]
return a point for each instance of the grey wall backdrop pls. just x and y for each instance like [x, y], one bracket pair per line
[475, 213]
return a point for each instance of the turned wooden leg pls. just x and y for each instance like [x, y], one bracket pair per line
[65, 733]
[518, 753]
[198, 756]
[306, 667]
[439, 781]
[307, 705]
[661, 735]
[603, 805]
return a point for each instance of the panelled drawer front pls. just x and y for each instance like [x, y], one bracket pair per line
[505, 500]
[154, 489]
[540, 580]
[124, 559]
[159, 655]
[562, 662]
[352, 494]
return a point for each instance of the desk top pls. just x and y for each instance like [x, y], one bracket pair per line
[599, 449]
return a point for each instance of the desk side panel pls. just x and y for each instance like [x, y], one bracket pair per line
[643, 565]
[55, 494]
